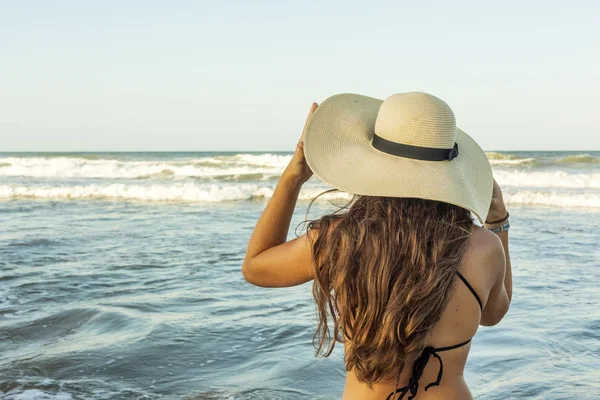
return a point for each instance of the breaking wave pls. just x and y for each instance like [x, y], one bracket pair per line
[221, 193]
[207, 167]
[548, 179]
[553, 179]
[213, 167]
[509, 159]
[189, 192]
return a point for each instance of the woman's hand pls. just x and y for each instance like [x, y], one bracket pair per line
[497, 208]
[298, 169]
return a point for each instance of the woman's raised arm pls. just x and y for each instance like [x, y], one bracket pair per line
[270, 261]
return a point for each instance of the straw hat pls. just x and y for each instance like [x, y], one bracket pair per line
[405, 146]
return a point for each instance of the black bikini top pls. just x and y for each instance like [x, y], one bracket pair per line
[421, 361]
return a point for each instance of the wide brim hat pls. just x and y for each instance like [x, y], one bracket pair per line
[405, 146]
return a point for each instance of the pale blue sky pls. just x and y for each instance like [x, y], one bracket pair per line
[240, 75]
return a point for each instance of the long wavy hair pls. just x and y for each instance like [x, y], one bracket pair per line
[384, 270]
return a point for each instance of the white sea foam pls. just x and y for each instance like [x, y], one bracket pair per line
[188, 192]
[514, 162]
[508, 159]
[494, 155]
[278, 161]
[75, 167]
[511, 159]
[554, 199]
[235, 177]
[156, 192]
[548, 179]
[246, 167]
[35, 394]
[214, 193]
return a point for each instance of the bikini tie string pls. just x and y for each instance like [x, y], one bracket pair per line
[418, 368]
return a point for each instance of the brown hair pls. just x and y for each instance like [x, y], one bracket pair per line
[384, 274]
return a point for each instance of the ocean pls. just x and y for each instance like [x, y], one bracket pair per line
[120, 279]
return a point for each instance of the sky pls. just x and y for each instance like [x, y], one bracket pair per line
[117, 75]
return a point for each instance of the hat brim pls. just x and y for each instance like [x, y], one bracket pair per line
[337, 147]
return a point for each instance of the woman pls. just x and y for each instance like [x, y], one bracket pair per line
[402, 275]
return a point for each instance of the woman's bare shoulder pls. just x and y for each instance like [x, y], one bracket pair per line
[485, 243]
[485, 259]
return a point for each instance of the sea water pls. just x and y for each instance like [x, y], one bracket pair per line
[120, 279]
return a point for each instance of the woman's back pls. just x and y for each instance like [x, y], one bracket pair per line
[457, 325]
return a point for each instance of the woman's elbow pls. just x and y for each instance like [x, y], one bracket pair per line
[493, 317]
[491, 321]
[251, 274]
[247, 272]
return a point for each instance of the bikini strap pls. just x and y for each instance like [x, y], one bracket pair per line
[468, 285]
[456, 346]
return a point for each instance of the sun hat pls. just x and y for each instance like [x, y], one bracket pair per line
[407, 145]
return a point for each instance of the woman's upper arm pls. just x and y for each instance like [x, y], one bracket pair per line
[287, 264]
[498, 302]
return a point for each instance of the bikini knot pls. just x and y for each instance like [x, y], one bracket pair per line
[418, 367]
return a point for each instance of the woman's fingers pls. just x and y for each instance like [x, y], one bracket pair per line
[313, 107]
[497, 193]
